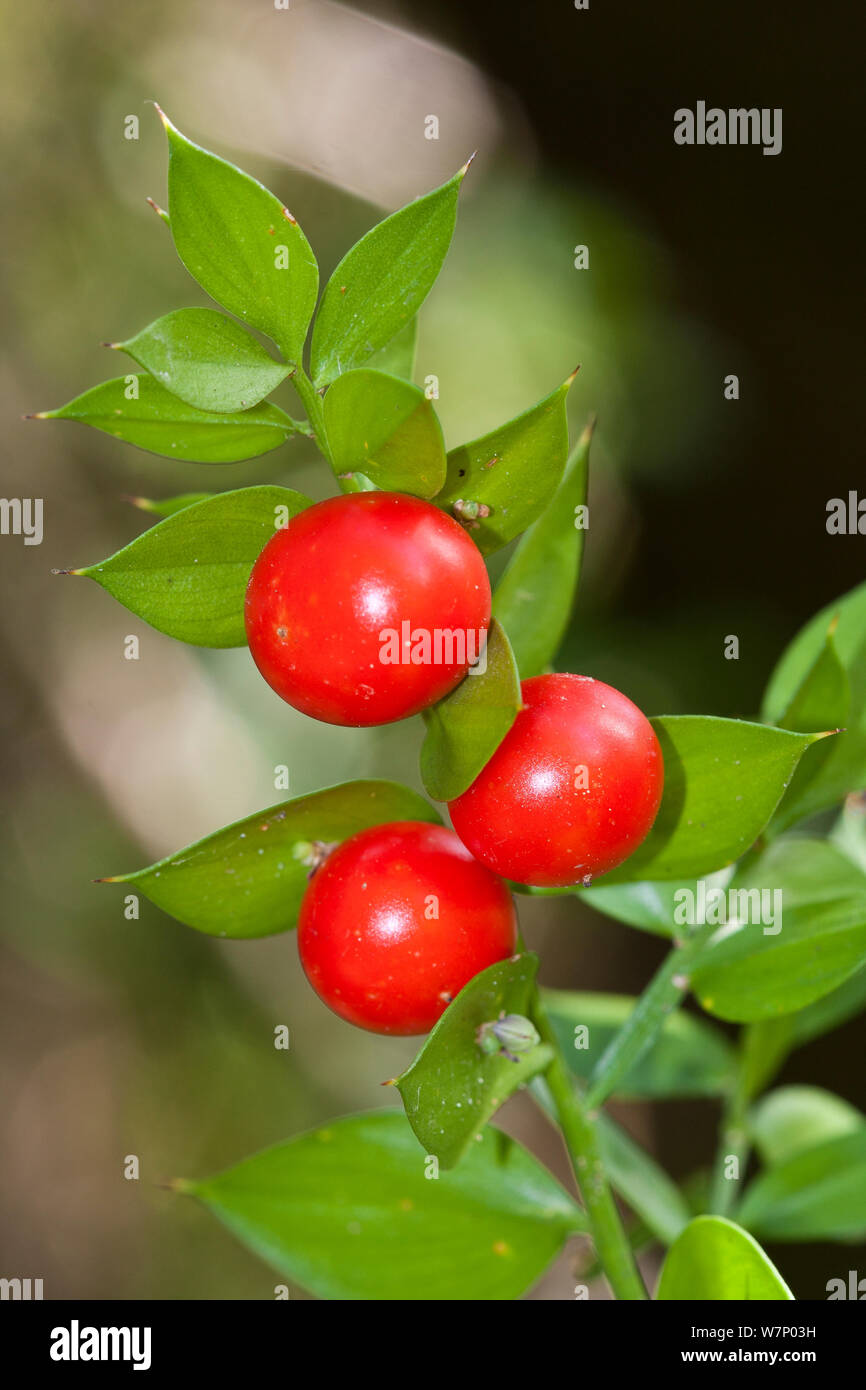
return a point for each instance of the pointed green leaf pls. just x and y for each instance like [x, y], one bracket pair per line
[206, 359]
[386, 429]
[792, 1119]
[847, 617]
[167, 506]
[350, 1213]
[818, 1194]
[831, 1010]
[808, 671]
[398, 357]
[534, 597]
[241, 244]
[380, 284]
[249, 878]
[188, 575]
[823, 698]
[511, 473]
[822, 701]
[465, 729]
[452, 1088]
[141, 412]
[754, 968]
[687, 1058]
[723, 781]
[712, 1260]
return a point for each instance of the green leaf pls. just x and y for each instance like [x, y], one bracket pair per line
[823, 698]
[465, 729]
[240, 243]
[723, 780]
[807, 670]
[188, 575]
[398, 356]
[386, 429]
[713, 1259]
[380, 284]
[818, 1194]
[534, 597]
[249, 878]
[206, 359]
[849, 831]
[167, 506]
[749, 971]
[847, 617]
[829, 1012]
[513, 472]
[353, 1212]
[452, 1088]
[642, 1182]
[646, 905]
[764, 1047]
[793, 1119]
[152, 418]
[687, 1058]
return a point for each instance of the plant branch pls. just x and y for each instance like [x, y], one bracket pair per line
[663, 994]
[763, 1048]
[313, 406]
[578, 1131]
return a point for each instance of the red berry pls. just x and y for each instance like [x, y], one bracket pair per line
[367, 608]
[571, 791]
[396, 921]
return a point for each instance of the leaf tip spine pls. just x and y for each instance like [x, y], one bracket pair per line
[176, 1185]
[160, 212]
[162, 116]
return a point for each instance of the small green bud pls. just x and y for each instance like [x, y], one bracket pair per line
[510, 1034]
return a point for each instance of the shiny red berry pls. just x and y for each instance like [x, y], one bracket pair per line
[367, 608]
[571, 791]
[396, 921]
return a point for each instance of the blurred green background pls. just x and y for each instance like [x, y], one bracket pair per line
[707, 518]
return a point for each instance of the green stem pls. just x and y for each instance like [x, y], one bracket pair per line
[733, 1146]
[609, 1238]
[763, 1048]
[314, 408]
[663, 994]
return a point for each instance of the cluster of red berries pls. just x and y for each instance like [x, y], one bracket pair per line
[400, 917]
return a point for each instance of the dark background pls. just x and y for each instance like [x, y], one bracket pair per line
[767, 251]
